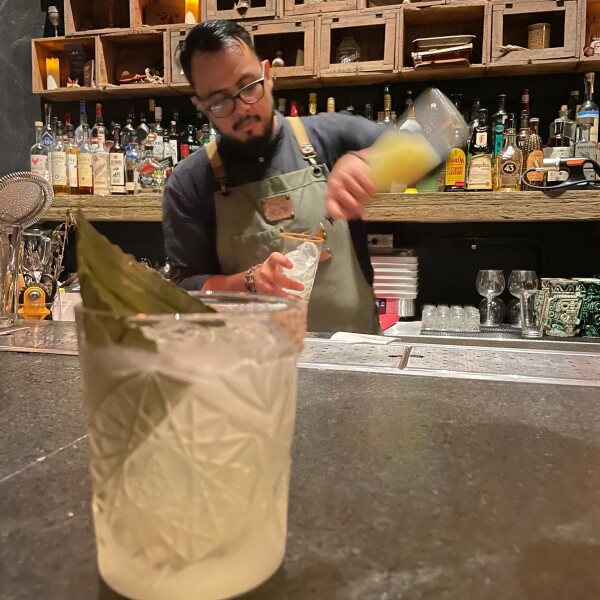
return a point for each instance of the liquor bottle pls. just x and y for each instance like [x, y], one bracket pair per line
[585, 147]
[189, 144]
[387, 107]
[38, 155]
[294, 108]
[47, 137]
[569, 128]
[98, 130]
[525, 100]
[282, 106]
[312, 103]
[456, 100]
[535, 155]
[213, 133]
[474, 119]
[85, 177]
[498, 122]
[174, 142]
[479, 172]
[83, 120]
[58, 161]
[509, 162]
[330, 104]
[72, 160]
[128, 132]
[369, 111]
[574, 104]
[524, 133]
[589, 109]
[456, 165]
[559, 146]
[131, 159]
[410, 122]
[205, 134]
[150, 174]
[142, 130]
[100, 165]
[116, 163]
[159, 133]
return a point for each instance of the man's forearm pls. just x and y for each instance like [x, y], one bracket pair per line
[225, 283]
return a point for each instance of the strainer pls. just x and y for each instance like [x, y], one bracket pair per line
[24, 199]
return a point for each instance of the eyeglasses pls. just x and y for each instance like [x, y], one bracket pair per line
[249, 94]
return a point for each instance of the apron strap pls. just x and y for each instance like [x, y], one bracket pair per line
[217, 165]
[307, 149]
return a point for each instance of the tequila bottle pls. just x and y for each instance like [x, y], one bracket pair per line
[99, 130]
[589, 109]
[100, 165]
[38, 155]
[118, 179]
[585, 147]
[83, 120]
[534, 153]
[58, 160]
[85, 176]
[150, 174]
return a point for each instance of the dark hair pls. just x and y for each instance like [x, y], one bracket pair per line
[211, 36]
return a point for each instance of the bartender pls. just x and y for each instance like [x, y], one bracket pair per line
[226, 205]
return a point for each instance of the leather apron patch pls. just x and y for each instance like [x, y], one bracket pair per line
[278, 208]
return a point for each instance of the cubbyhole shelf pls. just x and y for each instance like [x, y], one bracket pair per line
[56, 48]
[132, 53]
[299, 7]
[510, 22]
[459, 18]
[85, 17]
[241, 10]
[374, 31]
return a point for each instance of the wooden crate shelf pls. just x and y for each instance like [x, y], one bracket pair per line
[299, 7]
[510, 20]
[296, 39]
[460, 207]
[90, 17]
[375, 33]
[56, 47]
[466, 17]
[134, 51]
[239, 10]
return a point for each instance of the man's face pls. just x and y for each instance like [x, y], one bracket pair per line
[222, 74]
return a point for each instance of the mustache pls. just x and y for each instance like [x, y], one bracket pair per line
[239, 123]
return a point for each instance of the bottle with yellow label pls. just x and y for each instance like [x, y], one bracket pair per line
[456, 166]
[535, 154]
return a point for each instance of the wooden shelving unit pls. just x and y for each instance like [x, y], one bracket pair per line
[461, 207]
[387, 47]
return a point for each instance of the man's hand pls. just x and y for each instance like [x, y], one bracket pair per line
[348, 188]
[269, 279]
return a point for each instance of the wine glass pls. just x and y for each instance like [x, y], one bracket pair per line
[518, 281]
[490, 283]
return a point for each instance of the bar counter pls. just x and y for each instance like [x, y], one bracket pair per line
[403, 487]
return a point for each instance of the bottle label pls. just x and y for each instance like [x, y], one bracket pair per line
[590, 114]
[185, 150]
[39, 164]
[101, 137]
[117, 172]
[587, 150]
[72, 170]
[535, 159]
[480, 173]
[175, 153]
[481, 138]
[455, 168]
[100, 167]
[58, 162]
[509, 168]
[86, 179]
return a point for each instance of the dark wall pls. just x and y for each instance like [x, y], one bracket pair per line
[19, 108]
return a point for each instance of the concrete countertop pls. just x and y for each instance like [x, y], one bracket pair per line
[402, 487]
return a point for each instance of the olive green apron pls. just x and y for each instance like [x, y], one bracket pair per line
[341, 299]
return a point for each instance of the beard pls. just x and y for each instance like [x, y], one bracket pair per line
[252, 145]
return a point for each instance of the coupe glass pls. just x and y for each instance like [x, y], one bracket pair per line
[490, 283]
[519, 281]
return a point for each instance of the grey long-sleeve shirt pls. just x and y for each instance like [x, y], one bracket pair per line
[189, 223]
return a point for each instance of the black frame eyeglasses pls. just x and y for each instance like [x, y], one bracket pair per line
[249, 94]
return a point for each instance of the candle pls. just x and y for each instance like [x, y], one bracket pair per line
[191, 11]
[52, 73]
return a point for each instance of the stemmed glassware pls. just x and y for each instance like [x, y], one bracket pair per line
[518, 281]
[490, 283]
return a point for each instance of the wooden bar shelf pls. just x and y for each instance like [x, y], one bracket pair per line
[459, 207]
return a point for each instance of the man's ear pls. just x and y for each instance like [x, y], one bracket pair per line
[196, 102]
[268, 76]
